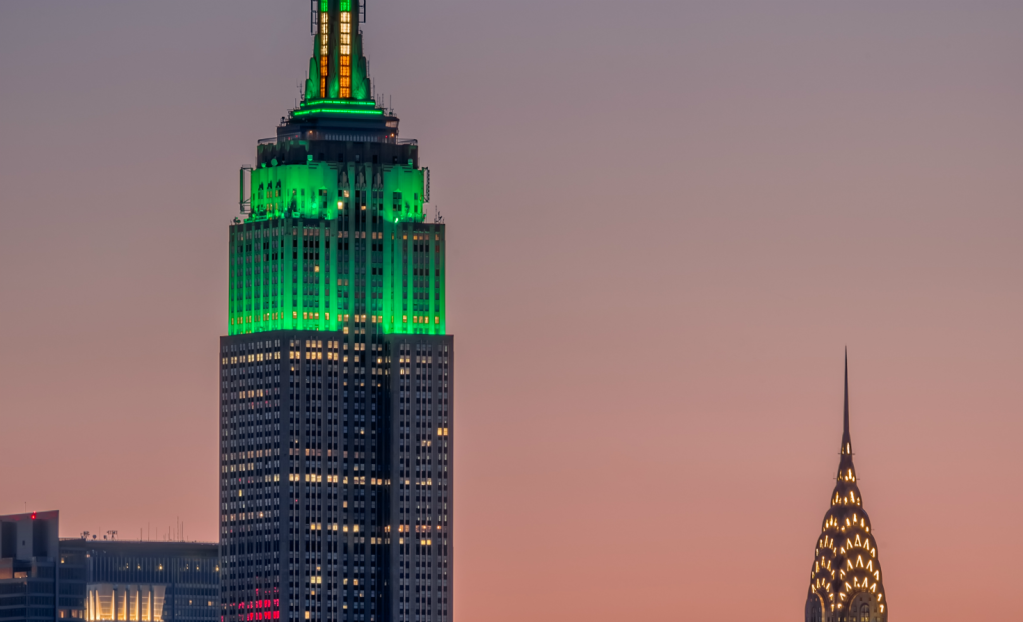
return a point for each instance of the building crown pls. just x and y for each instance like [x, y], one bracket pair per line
[845, 582]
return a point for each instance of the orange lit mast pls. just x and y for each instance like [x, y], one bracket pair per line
[337, 69]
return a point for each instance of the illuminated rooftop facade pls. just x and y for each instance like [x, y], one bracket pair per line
[846, 582]
[333, 233]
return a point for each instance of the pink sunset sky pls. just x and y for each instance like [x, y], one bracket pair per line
[665, 219]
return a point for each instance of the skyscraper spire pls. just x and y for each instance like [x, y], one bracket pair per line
[337, 69]
[846, 439]
[845, 583]
[338, 93]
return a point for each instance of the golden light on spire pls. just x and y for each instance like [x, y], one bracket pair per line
[859, 571]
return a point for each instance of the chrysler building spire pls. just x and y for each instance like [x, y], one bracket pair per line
[846, 440]
[845, 582]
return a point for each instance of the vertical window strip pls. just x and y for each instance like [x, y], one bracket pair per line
[324, 42]
[345, 51]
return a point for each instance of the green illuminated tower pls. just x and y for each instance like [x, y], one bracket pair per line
[336, 375]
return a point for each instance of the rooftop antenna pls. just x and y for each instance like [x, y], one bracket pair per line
[244, 203]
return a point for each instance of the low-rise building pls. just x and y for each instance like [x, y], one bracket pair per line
[45, 578]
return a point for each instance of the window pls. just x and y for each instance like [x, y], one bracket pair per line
[814, 613]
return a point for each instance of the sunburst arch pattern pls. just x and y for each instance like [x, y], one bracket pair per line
[846, 582]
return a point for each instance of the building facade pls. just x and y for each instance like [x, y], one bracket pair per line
[336, 415]
[846, 582]
[145, 581]
[45, 578]
[30, 585]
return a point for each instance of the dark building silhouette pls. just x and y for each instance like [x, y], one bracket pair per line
[336, 416]
[846, 581]
[46, 578]
[30, 586]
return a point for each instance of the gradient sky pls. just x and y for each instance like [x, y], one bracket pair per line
[666, 220]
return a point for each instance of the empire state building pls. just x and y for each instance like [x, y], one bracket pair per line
[336, 421]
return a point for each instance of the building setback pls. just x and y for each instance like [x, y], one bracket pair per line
[336, 416]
